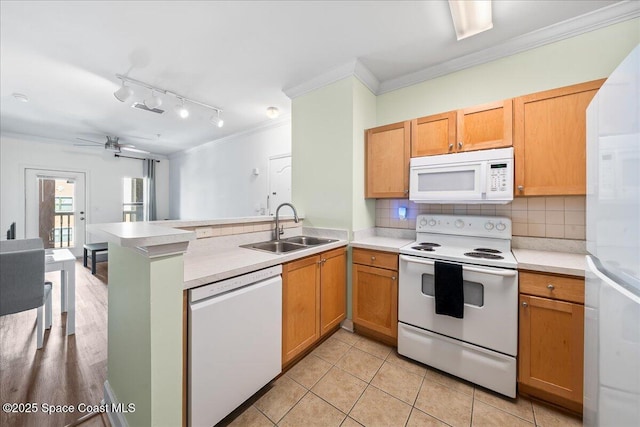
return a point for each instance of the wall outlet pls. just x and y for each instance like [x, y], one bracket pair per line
[204, 232]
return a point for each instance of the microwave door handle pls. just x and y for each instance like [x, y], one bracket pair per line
[504, 273]
[483, 180]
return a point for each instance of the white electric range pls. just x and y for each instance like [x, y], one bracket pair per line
[482, 345]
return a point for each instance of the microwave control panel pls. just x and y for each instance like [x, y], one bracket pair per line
[498, 177]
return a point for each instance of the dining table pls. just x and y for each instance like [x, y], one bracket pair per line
[64, 260]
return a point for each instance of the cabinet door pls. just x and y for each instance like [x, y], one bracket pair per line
[551, 347]
[485, 126]
[300, 304]
[387, 161]
[550, 141]
[333, 289]
[433, 134]
[375, 299]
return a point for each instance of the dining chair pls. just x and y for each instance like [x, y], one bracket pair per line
[22, 284]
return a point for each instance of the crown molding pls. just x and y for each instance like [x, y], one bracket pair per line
[597, 19]
[352, 68]
[281, 121]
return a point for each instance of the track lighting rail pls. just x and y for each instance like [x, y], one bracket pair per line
[166, 92]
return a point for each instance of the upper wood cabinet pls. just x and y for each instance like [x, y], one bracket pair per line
[387, 161]
[433, 134]
[475, 128]
[550, 140]
[485, 126]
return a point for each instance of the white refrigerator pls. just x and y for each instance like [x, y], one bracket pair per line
[612, 294]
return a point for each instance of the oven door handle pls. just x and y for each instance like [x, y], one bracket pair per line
[504, 273]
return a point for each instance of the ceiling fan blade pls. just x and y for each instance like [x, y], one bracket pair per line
[88, 140]
[134, 150]
[86, 145]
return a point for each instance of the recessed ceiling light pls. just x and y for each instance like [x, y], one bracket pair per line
[20, 97]
[273, 112]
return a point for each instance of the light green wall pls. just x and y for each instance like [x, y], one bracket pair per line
[145, 335]
[322, 155]
[328, 124]
[582, 58]
[364, 117]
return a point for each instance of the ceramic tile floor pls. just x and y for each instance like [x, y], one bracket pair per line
[351, 380]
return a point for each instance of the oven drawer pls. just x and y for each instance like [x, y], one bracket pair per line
[378, 259]
[550, 286]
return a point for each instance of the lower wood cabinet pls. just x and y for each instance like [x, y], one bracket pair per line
[375, 293]
[313, 300]
[551, 338]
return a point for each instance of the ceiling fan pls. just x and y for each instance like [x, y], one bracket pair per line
[112, 145]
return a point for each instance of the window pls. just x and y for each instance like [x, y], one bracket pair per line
[133, 202]
[63, 204]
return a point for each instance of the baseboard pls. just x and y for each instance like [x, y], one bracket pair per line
[116, 419]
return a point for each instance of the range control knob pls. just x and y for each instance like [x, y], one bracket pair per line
[501, 226]
[488, 225]
[432, 222]
[423, 222]
[459, 223]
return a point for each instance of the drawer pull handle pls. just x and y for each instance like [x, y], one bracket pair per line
[550, 287]
[373, 258]
[393, 277]
[524, 304]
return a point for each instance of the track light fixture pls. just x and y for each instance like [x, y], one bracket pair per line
[216, 120]
[181, 110]
[154, 101]
[123, 93]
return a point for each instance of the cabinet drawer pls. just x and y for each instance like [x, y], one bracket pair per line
[551, 286]
[386, 260]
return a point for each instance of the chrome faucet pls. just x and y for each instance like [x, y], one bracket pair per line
[280, 229]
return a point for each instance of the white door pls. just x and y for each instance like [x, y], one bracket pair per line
[55, 208]
[279, 182]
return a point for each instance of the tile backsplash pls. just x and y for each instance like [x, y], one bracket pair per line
[560, 217]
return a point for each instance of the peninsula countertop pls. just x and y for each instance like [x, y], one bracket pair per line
[206, 263]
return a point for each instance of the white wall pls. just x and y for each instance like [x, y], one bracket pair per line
[103, 179]
[215, 180]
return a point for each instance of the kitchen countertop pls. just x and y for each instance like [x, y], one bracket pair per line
[204, 263]
[381, 243]
[550, 262]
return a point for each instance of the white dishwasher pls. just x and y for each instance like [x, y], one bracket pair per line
[235, 342]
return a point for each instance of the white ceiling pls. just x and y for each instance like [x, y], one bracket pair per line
[237, 55]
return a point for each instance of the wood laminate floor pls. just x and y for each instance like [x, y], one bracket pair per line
[68, 370]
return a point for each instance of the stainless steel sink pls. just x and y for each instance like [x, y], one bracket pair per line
[309, 241]
[280, 247]
[296, 243]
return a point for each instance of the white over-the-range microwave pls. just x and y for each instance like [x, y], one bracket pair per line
[484, 176]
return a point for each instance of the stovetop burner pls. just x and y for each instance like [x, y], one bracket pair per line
[487, 250]
[429, 244]
[483, 255]
[423, 248]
